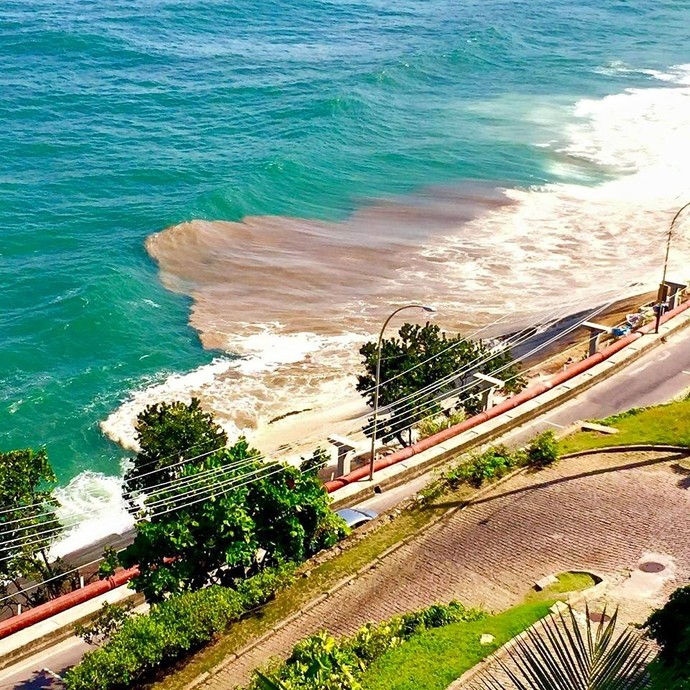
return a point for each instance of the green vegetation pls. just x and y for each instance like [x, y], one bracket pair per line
[423, 650]
[356, 555]
[28, 526]
[565, 654]
[321, 662]
[543, 450]
[221, 515]
[567, 583]
[449, 488]
[669, 627]
[493, 464]
[431, 426]
[141, 644]
[435, 658]
[171, 436]
[663, 424]
[109, 620]
[423, 355]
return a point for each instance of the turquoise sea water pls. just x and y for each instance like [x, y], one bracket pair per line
[118, 119]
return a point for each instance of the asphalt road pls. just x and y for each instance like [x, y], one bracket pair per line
[657, 377]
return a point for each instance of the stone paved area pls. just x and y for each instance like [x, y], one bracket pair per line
[600, 513]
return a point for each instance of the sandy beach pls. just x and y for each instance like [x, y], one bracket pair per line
[298, 433]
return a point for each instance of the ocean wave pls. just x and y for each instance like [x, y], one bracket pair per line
[91, 507]
[317, 290]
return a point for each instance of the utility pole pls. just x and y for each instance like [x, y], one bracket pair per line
[663, 288]
[377, 386]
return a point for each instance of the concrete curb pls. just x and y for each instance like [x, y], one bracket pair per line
[627, 449]
[418, 464]
[503, 651]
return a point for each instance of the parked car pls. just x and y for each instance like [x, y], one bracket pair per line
[355, 517]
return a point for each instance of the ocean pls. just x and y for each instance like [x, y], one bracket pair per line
[226, 199]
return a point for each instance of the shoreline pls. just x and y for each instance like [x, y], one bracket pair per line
[298, 433]
[286, 431]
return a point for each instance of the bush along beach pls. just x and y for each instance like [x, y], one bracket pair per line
[141, 644]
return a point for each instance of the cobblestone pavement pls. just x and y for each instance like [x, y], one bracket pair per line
[604, 513]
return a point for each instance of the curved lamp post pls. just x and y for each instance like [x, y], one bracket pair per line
[427, 309]
[662, 288]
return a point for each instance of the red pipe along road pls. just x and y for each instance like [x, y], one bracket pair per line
[79, 596]
[505, 406]
[64, 602]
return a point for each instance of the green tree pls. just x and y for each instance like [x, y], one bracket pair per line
[28, 526]
[423, 355]
[225, 516]
[196, 530]
[171, 436]
[669, 627]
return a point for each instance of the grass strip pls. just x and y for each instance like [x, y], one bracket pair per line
[321, 578]
[433, 659]
[663, 424]
[568, 583]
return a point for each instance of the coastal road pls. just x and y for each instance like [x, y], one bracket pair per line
[656, 377]
[39, 671]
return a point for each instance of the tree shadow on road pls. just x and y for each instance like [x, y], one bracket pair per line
[561, 480]
[41, 680]
[682, 468]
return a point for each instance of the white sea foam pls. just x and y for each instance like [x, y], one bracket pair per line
[571, 239]
[119, 426]
[246, 392]
[560, 242]
[91, 507]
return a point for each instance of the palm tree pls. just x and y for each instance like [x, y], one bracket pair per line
[562, 653]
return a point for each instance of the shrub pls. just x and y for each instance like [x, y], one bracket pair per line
[429, 427]
[669, 627]
[109, 620]
[171, 629]
[543, 450]
[257, 590]
[323, 663]
[492, 464]
[439, 615]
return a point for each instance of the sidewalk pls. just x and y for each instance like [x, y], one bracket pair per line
[17, 646]
[490, 553]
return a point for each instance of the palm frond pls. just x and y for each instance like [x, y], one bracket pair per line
[563, 653]
[266, 683]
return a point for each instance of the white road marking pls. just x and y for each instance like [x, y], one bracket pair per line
[560, 426]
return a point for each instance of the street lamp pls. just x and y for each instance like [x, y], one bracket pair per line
[661, 295]
[427, 309]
